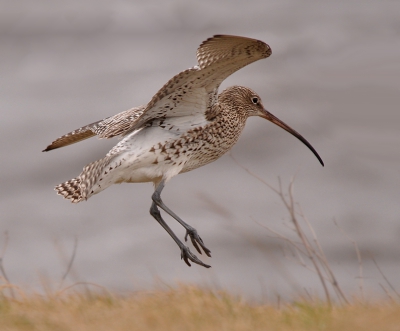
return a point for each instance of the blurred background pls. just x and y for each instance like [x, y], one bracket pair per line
[334, 76]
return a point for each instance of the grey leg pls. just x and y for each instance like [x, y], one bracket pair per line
[190, 231]
[186, 254]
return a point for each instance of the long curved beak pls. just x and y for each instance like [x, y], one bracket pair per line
[267, 115]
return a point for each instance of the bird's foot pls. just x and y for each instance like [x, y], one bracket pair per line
[196, 241]
[187, 255]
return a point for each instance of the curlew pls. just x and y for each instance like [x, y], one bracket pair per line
[186, 125]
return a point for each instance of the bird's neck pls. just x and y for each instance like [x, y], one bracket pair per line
[234, 111]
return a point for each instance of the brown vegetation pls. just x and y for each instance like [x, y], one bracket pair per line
[188, 308]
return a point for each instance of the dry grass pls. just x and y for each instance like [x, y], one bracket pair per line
[188, 308]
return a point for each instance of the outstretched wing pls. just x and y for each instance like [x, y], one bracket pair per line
[73, 137]
[190, 93]
[119, 123]
[195, 90]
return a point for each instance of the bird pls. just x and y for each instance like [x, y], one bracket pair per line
[186, 124]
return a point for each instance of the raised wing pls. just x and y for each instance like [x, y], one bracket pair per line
[119, 123]
[190, 93]
[222, 55]
[195, 90]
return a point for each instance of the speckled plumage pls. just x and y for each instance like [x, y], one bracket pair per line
[100, 128]
[184, 126]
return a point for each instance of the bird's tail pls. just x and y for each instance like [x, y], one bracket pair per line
[70, 190]
[87, 183]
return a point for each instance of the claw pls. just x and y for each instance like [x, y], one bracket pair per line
[187, 255]
[185, 258]
[195, 245]
[197, 241]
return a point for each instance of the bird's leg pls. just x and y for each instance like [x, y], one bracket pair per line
[186, 254]
[190, 231]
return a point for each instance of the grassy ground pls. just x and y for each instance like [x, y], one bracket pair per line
[188, 308]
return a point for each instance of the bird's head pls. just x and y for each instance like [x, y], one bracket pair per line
[249, 104]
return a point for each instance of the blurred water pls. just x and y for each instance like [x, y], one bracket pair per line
[334, 76]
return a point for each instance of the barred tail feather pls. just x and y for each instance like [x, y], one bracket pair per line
[82, 187]
[70, 190]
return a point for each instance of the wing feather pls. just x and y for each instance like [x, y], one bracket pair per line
[73, 137]
[107, 128]
[218, 57]
[190, 93]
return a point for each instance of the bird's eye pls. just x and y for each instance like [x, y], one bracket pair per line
[255, 100]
